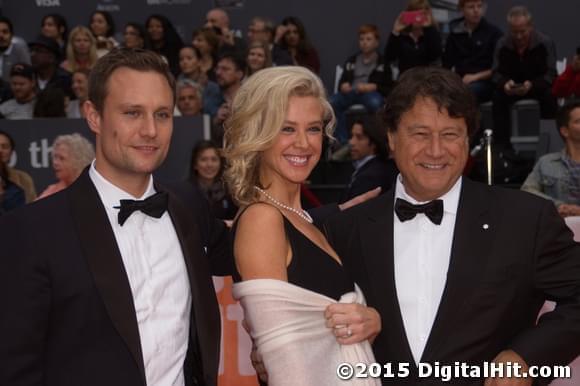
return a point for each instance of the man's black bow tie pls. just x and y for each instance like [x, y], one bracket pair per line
[153, 206]
[406, 211]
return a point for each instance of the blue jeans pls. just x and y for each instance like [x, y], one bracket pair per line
[483, 90]
[340, 102]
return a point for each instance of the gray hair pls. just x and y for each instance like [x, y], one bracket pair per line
[519, 11]
[182, 83]
[81, 149]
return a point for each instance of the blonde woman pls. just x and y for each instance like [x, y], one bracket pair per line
[81, 50]
[287, 273]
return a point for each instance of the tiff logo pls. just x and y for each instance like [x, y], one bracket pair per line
[48, 3]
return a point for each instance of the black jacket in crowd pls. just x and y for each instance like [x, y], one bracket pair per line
[470, 53]
[408, 53]
[537, 64]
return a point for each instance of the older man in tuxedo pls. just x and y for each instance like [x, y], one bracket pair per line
[457, 270]
[107, 282]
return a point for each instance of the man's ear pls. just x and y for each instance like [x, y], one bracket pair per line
[564, 131]
[92, 116]
[391, 141]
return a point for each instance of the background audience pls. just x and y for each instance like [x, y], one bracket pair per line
[206, 172]
[19, 177]
[556, 176]
[71, 153]
[567, 85]
[54, 26]
[470, 47]
[23, 86]
[135, 36]
[414, 42]
[524, 68]
[81, 50]
[291, 36]
[365, 79]
[102, 26]
[258, 57]
[164, 40]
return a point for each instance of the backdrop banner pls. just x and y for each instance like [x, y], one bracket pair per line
[34, 137]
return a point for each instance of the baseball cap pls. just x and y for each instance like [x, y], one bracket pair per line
[22, 69]
[46, 42]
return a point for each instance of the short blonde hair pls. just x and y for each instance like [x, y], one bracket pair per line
[258, 113]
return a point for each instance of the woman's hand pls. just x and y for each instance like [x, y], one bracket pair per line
[399, 26]
[353, 323]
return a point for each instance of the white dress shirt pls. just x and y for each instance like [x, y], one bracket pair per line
[421, 252]
[159, 282]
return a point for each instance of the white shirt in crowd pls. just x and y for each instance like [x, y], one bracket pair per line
[422, 252]
[159, 282]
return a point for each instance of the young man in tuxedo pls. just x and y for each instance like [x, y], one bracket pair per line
[457, 270]
[107, 282]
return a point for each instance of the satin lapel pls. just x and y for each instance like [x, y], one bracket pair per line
[205, 318]
[469, 254]
[104, 259]
[377, 244]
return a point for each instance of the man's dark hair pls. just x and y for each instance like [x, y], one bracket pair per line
[5, 20]
[238, 61]
[374, 129]
[135, 59]
[563, 116]
[10, 139]
[442, 86]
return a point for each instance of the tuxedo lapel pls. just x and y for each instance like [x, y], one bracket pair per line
[105, 263]
[377, 249]
[205, 322]
[472, 240]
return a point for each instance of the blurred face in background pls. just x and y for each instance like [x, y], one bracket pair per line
[520, 31]
[5, 36]
[368, 42]
[50, 29]
[155, 30]
[227, 74]
[81, 44]
[256, 59]
[80, 86]
[292, 36]
[5, 149]
[207, 165]
[63, 164]
[188, 61]
[188, 101]
[473, 12]
[99, 25]
[201, 43]
[257, 32]
[360, 144]
[22, 87]
[132, 37]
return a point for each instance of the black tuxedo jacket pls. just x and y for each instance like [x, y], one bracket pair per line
[499, 276]
[372, 174]
[67, 313]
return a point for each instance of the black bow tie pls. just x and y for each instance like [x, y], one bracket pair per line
[153, 206]
[406, 211]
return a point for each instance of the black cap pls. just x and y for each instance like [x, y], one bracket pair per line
[46, 42]
[22, 69]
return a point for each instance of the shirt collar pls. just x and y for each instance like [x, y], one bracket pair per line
[450, 199]
[111, 194]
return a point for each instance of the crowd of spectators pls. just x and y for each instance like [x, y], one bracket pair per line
[48, 76]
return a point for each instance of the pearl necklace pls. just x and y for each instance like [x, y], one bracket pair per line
[300, 212]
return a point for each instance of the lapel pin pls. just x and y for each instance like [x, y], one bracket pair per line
[485, 226]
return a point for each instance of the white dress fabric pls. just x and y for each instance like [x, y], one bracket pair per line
[288, 327]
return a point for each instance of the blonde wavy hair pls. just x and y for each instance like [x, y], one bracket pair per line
[258, 113]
